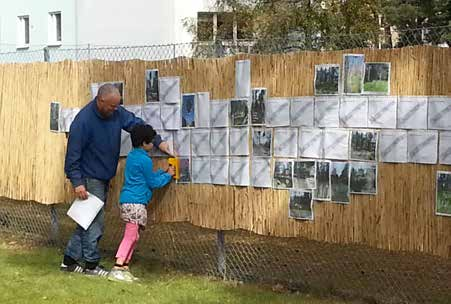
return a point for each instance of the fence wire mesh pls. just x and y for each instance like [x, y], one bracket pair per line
[438, 36]
[292, 264]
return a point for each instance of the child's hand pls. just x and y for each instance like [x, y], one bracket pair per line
[171, 170]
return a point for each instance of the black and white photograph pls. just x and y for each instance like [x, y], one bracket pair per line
[152, 91]
[310, 143]
[443, 193]
[188, 110]
[277, 112]
[261, 141]
[54, 116]
[118, 84]
[327, 79]
[66, 117]
[283, 174]
[336, 144]
[258, 106]
[239, 112]
[185, 171]
[339, 182]
[377, 78]
[353, 73]
[304, 174]
[301, 204]
[285, 142]
[363, 145]
[322, 190]
[363, 178]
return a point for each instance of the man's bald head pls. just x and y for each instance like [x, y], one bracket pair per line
[108, 99]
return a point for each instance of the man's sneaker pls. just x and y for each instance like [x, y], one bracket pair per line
[98, 271]
[120, 275]
[71, 268]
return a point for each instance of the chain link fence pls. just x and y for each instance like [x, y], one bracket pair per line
[438, 36]
[291, 264]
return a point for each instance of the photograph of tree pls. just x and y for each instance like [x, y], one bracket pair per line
[304, 174]
[261, 141]
[301, 204]
[322, 190]
[363, 145]
[185, 172]
[377, 78]
[327, 78]
[54, 116]
[258, 106]
[152, 85]
[354, 68]
[283, 174]
[443, 196]
[188, 110]
[339, 182]
[363, 178]
[239, 112]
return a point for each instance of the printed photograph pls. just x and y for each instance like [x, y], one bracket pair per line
[283, 174]
[258, 106]
[54, 116]
[327, 78]
[443, 199]
[184, 170]
[339, 182]
[363, 145]
[304, 174]
[152, 86]
[188, 108]
[322, 190]
[239, 112]
[354, 68]
[261, 142]
[301, 204]
[363, 178]
[377, 78]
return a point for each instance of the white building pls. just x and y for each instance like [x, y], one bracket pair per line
[31, 24]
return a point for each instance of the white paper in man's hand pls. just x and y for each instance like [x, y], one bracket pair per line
[83, 212]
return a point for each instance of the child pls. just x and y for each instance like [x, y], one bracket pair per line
[136, 192]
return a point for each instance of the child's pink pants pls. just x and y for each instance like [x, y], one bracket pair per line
[128, 244]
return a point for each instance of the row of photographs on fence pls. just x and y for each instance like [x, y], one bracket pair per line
[329, 180]
[378, 112]
[390, 146]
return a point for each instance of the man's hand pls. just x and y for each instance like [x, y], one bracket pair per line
[164, 147]
[171, 170]
[80, 192]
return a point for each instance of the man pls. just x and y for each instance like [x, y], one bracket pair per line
[91, 161]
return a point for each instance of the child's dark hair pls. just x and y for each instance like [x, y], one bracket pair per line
[142, 134]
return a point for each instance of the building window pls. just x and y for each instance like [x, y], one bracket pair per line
[23, 31]
[205, 26]
[54, 28]
[224, 26]
[212, 26]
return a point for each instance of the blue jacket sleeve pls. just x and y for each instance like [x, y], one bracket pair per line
[156, 179]
[129, 120]
[75, 145]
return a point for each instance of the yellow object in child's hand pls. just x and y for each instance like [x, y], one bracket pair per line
[174, 162]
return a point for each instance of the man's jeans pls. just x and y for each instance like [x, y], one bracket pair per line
[83, 243]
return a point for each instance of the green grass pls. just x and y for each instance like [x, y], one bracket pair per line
[353, 84]
[31, 275]
[379, 86]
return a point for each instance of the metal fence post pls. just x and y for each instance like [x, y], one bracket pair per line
[173, 50]
[54, 226]
[46, 54]
[221, 253]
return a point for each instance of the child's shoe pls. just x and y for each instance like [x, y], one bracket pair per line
[119, 275]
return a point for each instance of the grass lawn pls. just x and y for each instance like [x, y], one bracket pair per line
[31, 275]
